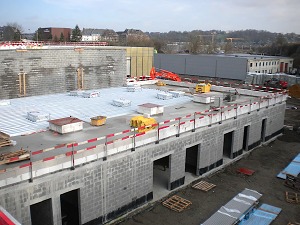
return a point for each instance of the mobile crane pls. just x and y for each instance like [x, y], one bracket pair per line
[164, 74]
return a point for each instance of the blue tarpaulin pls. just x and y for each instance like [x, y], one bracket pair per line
[293, 168]
[264, 215]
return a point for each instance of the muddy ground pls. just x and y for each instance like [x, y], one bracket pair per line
[267, 161]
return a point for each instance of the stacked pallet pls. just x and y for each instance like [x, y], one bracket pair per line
[4, 140]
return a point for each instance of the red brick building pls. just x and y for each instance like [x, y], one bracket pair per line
[54, 33]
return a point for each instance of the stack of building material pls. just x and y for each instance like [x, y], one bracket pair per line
[150, 109]
[176, 94]
[90, 94]
[14, 156]
[164, 95]
[4, 140]
[76, 93]
[37, 116]
[121, 102]
[134, 88]
[4, 102]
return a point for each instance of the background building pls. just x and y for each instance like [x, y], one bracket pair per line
[223, 66]
[90, 34]
[54, 33]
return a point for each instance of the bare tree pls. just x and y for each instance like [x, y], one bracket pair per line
[12, 32]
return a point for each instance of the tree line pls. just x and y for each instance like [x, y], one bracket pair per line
[192, 42]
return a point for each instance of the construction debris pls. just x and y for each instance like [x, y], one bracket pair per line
[177, 203]
[14, 156]
[4, 140]
[204, 186]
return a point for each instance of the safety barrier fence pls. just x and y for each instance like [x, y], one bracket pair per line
[34, 44]
[70, 155]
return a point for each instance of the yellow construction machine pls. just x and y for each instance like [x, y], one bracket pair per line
[202, 87]
[160, 83]
[142, 123]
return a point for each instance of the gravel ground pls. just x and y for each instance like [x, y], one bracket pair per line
[267, 161]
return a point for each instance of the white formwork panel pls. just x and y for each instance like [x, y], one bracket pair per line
[91, 94]
[134, 88]
[76, 93]
[176, 94]
[4, 102]
[164, 95]
[203, 98]
[37, 116]
[150, 109]
[121, 102]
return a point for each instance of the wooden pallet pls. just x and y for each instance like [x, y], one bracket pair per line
[177, 203]
[204, 186]
[292, 197]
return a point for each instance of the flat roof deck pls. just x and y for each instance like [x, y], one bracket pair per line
[25, 132]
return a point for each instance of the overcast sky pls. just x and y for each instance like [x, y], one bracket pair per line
[280, 16]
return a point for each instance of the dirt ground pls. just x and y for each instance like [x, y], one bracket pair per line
[267, 161]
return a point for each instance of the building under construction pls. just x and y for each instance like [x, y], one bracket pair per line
[81, 171]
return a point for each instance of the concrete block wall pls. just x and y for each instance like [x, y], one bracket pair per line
[110, 188]
[49, 71]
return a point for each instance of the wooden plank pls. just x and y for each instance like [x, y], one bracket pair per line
[204, 186]
[176, 203]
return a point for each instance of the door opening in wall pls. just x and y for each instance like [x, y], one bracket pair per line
[246, 138]
[70, 208]
[263, 130]
[192, 159]
[41, 213]
[228, 144]
[161, 173]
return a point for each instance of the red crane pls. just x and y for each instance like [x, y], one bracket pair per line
[164, 74]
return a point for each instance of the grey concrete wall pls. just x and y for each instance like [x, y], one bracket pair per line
[203, 65]
[124, 181]
[51, 71]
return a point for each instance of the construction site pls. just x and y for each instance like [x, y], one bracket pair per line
[81, 143]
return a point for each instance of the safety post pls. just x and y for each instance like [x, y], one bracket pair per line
[220, 116]
[178, 133]
[72, 158]
[275, 98]
[133, 140]
[157, 141]
[249, 107]
[194, 125]
[259, 102]
[30, 168]
[236, 113]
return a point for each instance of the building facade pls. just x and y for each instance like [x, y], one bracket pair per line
[114, 177]
[54, 33]
[89, 34]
